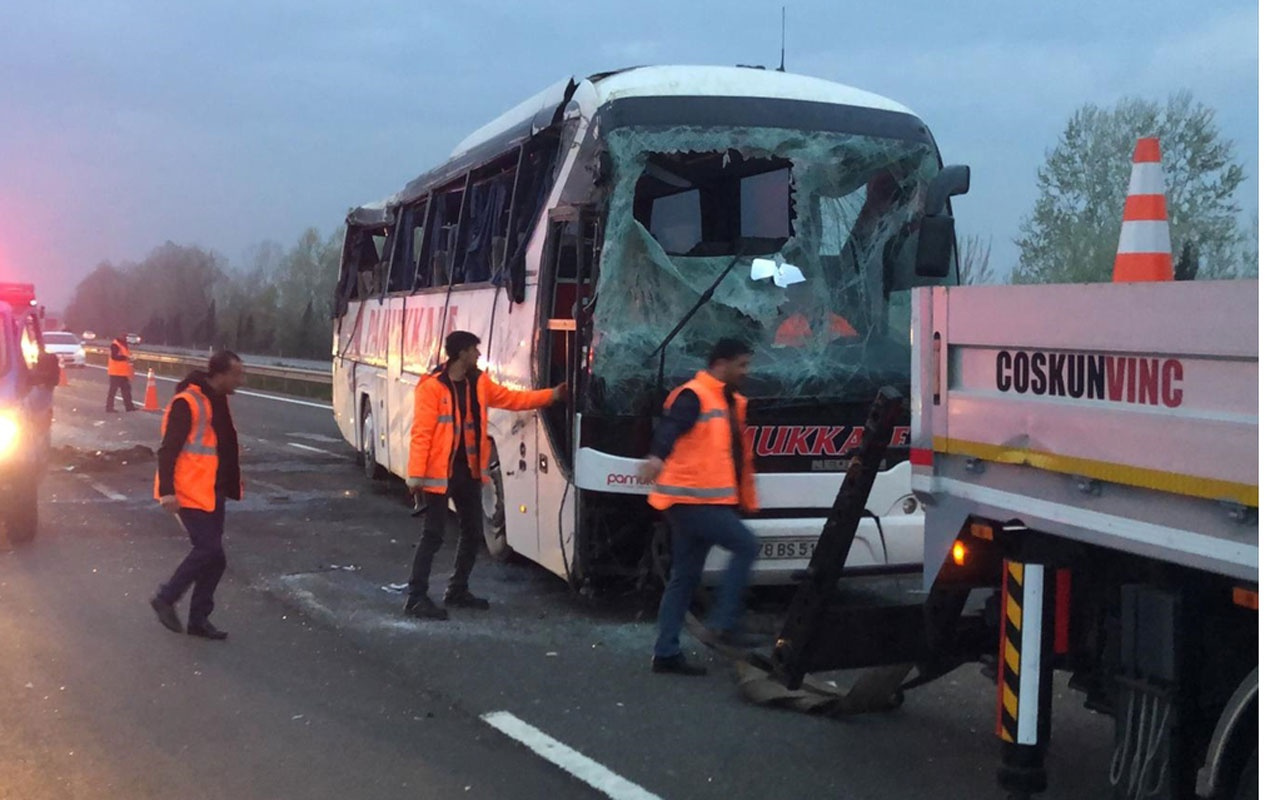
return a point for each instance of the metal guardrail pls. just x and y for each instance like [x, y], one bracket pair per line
[311, 383]
[262, 370]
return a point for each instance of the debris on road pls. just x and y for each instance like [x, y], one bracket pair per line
[71, 459]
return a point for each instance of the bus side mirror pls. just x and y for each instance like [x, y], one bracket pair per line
[937, 227]
[933, 251]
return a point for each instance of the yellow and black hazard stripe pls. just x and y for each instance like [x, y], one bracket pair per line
[1021, 639]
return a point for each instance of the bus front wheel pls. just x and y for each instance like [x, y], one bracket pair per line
[368, 450]
[493, 502]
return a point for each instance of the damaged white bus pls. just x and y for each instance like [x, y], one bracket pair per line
[605, 233]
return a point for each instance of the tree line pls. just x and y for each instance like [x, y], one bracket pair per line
[273, 302]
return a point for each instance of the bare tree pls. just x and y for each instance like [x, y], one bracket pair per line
[975, 260]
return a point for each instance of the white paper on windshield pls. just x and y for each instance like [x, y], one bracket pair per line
[782, 273]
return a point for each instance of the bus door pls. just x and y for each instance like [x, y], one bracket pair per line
[567, 296]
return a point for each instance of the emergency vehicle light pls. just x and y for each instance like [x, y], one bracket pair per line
[9, 435]
[18, 294]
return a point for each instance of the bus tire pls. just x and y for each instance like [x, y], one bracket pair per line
[22, 518]
[368, 449]
[660, 555]
[493, 503]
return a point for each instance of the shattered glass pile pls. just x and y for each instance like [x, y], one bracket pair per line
[856, 202]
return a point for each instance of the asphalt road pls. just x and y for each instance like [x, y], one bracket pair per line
[325, 690]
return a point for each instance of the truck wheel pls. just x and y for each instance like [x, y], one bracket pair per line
[368, 452]
[23, 517]
[1247, 786]
[493, 501]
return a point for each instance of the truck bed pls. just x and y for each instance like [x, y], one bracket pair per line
[1122, 415]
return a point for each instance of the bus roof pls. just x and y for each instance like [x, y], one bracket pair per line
[712, 81]
[540, 111]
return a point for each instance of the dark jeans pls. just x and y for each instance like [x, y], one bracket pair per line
[465, 492]
[125, 387]
[694, 530]
[203, 566]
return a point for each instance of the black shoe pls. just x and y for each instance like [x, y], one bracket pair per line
[677, 665]
[423, 608]
[465, 599]
[165, 613]
[205, 630]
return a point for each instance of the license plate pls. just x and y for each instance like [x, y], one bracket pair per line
[787, 548]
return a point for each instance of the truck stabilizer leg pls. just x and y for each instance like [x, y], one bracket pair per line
[1024, 686]
[803, 631]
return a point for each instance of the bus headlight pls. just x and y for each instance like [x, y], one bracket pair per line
[10, 433]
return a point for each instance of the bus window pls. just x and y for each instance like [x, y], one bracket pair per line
[446, 211]
[535, 178]
[488, 207]
[676, 221]
[362, 255]
[404, 258]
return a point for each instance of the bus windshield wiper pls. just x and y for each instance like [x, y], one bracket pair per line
[702, 301]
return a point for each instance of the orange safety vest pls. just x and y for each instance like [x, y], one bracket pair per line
[196, 472]
[120, 369]
[700, 469]
[434, 438]
[796, 331]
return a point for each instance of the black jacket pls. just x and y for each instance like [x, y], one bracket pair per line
[227, 483]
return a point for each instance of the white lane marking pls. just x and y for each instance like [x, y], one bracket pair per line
[310, 448]
[102, 490]
[326, 407]
[318, 437]
[590, 772]
[277, 398]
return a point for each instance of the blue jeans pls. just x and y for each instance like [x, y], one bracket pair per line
[694, 529]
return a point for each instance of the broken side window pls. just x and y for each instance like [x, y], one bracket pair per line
[488, 206]
[536, 175]
[409, 235]
[362, 255]
[442, 235]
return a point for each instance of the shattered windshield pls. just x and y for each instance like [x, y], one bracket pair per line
[839, 209]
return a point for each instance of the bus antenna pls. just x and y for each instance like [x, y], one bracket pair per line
[782, 67]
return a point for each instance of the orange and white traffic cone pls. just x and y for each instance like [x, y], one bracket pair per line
[62, 377]
[152, 401]
[1145, 253]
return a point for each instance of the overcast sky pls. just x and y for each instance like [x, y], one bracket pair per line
[125, 124]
